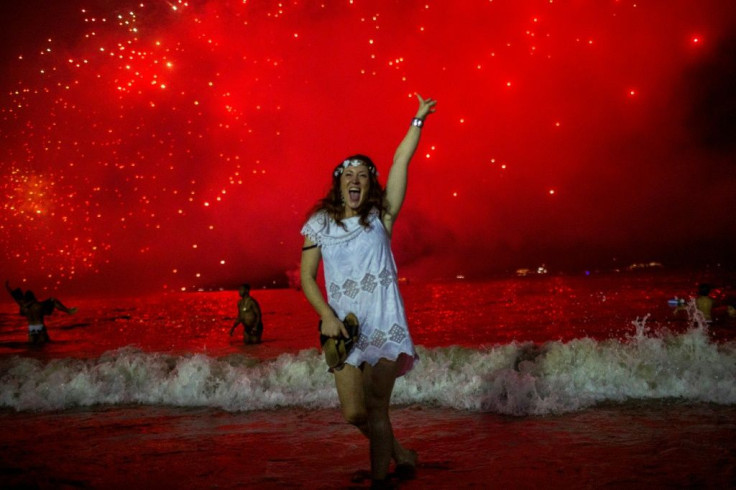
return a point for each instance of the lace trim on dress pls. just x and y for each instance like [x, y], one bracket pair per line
[323, 230]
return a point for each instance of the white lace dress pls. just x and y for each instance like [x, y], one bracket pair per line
[360, 277]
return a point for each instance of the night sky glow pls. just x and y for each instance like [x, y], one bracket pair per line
[170, 144]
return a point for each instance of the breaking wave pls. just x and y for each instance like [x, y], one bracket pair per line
[515, 379]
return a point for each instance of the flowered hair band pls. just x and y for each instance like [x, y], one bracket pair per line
[354, 162]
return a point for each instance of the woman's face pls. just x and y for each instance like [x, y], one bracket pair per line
[354, 185]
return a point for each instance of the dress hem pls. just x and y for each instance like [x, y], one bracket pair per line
[405, 361]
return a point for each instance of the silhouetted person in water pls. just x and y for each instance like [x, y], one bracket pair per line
[35, 311]
[704, 302]
[713, 309]
[249, 315]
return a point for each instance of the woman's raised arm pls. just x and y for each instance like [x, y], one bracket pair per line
[398, 175]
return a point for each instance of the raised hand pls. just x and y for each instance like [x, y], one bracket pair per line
[426, 107]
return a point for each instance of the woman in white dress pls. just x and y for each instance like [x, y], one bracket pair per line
[350, 232]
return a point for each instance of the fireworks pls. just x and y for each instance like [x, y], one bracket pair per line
[133, 134]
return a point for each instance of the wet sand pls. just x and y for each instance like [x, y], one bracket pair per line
[636, 445]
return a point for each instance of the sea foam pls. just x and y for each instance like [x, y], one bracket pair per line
[514, 379]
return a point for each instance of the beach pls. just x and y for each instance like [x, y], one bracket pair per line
[641, 445]
[557, 382]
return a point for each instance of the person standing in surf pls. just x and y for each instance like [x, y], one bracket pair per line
[35, 311]
[249, 315]
[350, 232]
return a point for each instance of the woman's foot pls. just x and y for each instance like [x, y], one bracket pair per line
[406, 467]
[384, 484]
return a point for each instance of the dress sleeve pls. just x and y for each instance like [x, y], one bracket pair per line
[314, 228]
[324, 231]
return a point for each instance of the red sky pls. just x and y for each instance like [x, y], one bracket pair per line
[168, 145]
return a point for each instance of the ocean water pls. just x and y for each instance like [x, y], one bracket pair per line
[597, 368]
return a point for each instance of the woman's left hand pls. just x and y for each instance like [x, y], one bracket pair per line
[426, 107]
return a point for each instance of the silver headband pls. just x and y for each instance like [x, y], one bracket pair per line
[354, 162]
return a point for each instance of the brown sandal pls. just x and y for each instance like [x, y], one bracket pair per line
[337, 350]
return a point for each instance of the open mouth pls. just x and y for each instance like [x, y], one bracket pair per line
[354, 195]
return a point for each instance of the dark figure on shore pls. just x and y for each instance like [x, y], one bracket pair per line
[35, 311]
[249, 315]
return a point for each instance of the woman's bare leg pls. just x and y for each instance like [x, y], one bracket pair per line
[378, 383]
[349, 383]
[351, 392]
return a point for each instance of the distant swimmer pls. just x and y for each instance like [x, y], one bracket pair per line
[35, 311]
[249, 315]
[729, 299]
[713, 309]
[704, 303]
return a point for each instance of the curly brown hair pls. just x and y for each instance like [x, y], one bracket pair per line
[332, 203]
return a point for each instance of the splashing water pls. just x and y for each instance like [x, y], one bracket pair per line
[514, 378]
